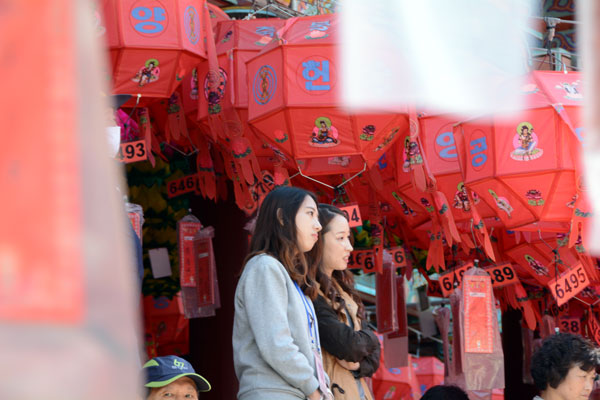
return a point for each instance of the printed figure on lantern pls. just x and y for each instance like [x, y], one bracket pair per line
[589, 292]
[405, 208]
[571, 204]
[502, 203]
[194, 85]
[98, 27]
[427, 205]
[324, 134]
[214, 90]
[537, 266]
[318, 30]
[342, 161]
[267, 33]
[388, 139]
[148, 73]
[571, 90]
[534, 197]
[525, 143]
[461, 199]
[227, 37]
[412, 154]
[562, 239]
[280, 136]
[368, 133]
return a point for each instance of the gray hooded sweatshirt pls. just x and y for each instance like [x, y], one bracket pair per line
[272, 352]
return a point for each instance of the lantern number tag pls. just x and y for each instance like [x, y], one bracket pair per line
[593, 329]
[398, 256]
[555, 310]
[352, 212]
[181, 186]
[362, 259]
[450, 280]
[131, 152]
[568, 284]
[434, 289]
[570, 325]
[502, 275]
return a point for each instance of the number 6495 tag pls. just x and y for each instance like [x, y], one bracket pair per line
[568, 284]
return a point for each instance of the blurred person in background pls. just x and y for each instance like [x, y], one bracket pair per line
[445, 392]
[172, 377]
[565, 367]
[351, 349]
[276, 351]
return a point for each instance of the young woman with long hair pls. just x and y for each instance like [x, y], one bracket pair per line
[276, 348]
[350, 348]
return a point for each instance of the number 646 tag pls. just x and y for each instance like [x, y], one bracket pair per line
[568, 284]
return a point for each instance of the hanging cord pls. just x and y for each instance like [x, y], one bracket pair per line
[328, 185]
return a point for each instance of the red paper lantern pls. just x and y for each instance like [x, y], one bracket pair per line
[236, 42]
[153, 44]
[524, 166]
[294, 103]
[429, 372]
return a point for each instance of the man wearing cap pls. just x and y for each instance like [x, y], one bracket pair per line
[174, 378]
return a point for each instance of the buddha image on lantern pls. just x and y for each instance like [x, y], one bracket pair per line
[148, 73]
[412, 154]
[194, 85]
[537, 266]
[368, 133]
[461, 198]
[502, 203]
[525, 143]
[406, 210]
[324, 134]
[571, 90]
[534, 197]
[214, 89]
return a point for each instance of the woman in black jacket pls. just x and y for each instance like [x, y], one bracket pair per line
[350, 349]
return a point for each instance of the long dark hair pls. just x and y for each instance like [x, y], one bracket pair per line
[344, 279]
[280, 239]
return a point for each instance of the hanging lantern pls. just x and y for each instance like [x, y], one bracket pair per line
[153, 44]
[523, 166]
[236, 42]
[294, 103]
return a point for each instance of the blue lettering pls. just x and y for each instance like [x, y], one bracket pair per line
[478, 146]
[446, 140]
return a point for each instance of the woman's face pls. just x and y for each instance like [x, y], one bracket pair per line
[337, 246]
[307, 225]
[578, 385]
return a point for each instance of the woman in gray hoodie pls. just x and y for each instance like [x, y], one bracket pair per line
[276, 348]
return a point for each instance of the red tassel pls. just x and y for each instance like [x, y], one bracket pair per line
[146, 132]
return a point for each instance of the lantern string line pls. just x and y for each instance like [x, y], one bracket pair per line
[328, 185]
